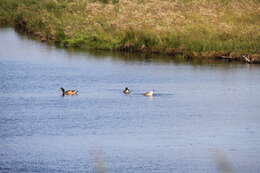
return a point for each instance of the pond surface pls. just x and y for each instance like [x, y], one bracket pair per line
[203, 118]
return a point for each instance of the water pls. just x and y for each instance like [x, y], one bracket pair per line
[204, 118]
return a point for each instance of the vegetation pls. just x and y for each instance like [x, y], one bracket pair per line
[192, 28]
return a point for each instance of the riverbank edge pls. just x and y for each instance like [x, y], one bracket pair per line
[193, 30]
[173, 52]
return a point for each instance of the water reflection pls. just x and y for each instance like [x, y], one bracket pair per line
[130, 57]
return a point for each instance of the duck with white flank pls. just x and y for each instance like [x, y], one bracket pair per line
[149, 93]
[126, 91]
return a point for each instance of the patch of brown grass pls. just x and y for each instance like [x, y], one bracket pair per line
[191, 26]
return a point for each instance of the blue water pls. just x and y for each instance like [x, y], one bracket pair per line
[203, 118]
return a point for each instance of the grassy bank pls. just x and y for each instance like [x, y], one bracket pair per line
[225, 29]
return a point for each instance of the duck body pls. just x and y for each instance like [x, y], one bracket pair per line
[149, 93]
[69, 92]
[126, 91]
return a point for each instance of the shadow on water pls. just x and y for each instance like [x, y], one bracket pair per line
[138, 57]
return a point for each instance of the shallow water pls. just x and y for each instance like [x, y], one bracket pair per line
[203, 118]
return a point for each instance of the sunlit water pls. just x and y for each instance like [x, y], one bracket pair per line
[203, 118]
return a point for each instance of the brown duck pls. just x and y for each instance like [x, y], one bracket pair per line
[68, 92]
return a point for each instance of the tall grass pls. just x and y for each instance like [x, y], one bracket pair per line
[188, 27]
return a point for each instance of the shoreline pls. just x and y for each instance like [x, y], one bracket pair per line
[221, 30]
[216, 56]
[219, 56]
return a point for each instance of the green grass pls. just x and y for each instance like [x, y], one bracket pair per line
[186, 27]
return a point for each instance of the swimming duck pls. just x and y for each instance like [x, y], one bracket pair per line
[68, 92]
[149, 93]
[126, 91]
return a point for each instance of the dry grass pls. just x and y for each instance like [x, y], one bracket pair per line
[186, 26]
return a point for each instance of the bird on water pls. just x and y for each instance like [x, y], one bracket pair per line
[68, 92]
[126, 91]
[149, 93]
